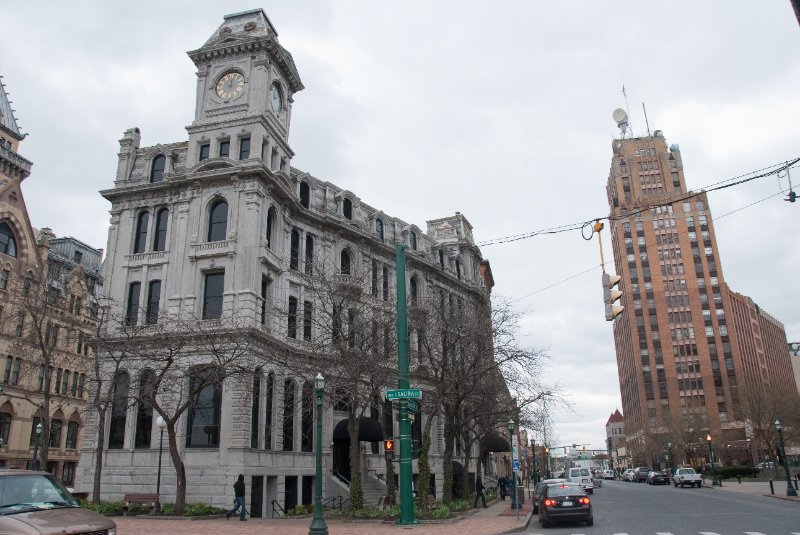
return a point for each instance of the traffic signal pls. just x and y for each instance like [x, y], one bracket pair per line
[388, 448]
[610, 296]
[792, 196]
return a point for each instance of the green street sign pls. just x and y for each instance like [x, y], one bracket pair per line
[413, 405]
[404, 393]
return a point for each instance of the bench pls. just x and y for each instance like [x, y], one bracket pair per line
[152, 500]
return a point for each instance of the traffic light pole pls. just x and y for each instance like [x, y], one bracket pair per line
[403, 381]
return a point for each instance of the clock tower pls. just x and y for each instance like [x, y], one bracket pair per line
[245, 87]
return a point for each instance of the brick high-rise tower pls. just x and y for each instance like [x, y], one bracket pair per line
[686, 344]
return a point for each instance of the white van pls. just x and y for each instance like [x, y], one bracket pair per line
[581, 476]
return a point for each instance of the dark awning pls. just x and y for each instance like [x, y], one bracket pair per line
[494, 442]
[458, 468]
[369, 430]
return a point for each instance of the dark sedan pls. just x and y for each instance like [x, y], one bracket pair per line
[537, 494]
[566, 502]
[657, 478]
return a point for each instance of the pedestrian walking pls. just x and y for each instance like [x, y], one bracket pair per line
[479, 492]
[501, 484]
[238, 502]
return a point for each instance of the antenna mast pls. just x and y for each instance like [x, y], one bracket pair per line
[646, 122]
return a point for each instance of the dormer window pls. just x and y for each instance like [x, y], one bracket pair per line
[205, 150]
[345, 262]
[412, 238]
[441, 258]
[379, 229]
[347, 208]
[305, 194]
[244, 148]
[157, 169]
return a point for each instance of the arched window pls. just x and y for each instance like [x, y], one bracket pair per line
[288, 415]
[160, 233]
[144, 413]
[379, 229]
[8, 245]
[458, 269]
[307, 425]
[270, 224]
[56, 426]
[72, 432]
[309, 267]
[140, 243]
[204, 415]
[413, 289]
[157, 169]
[305, 194]
[254, 408]
[294, 250]
[291, 329]
[269, 401]
[5, 422]
[218, 221]
[119, 411]
[347, 208]
[153, 302]
[345, 262]
[412, 237]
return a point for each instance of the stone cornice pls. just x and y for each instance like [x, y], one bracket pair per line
[237, 46]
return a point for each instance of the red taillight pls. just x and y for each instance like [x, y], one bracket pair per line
[548, 503]
[584, 501]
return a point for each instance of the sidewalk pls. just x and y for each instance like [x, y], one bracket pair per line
[496, 519]
[755, 488]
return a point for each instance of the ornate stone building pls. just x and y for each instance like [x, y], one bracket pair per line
[47, 316]
[221, 225]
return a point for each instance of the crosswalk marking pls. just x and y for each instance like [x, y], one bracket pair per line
[663, 533]
[752, 533]
[708, 533]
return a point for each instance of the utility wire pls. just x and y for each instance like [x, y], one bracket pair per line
[722, 184]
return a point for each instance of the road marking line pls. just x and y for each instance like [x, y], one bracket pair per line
[752, 533]
[708, 533]
[663, 533]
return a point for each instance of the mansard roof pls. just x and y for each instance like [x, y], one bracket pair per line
[249, 31]
[7, 120]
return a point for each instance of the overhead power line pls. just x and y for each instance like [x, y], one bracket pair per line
[722, 184]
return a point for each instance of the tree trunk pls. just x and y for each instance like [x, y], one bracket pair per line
[423, 487]
[466, 490]
[391, 488]
[180, 472]
[356, 492]
[98, 462]
[449, 439]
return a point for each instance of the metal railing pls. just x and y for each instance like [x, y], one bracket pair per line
[341, 478]
[276, 505]
[336, 502]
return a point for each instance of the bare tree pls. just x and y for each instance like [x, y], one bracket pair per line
[347, 332]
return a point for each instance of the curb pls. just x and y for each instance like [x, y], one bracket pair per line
[522, 528]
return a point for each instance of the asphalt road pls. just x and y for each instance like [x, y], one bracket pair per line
[622, 508]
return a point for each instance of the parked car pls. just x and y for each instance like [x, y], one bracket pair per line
[566, 502]
[657, 477]
[687, 476]
[608, 474]
[537, 494]
[628, 475]
[581, 476]
[35, 503]
[640, 473]
[597, 479]
[764, 465]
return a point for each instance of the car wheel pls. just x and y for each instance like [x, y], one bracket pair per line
[590, 522]
[682, 485]
[699, 484]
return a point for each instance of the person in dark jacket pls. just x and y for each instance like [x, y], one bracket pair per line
[479, 492]
[501, 486]
[238, 490]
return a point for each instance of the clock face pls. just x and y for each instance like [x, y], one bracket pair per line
[230, 86]
[276, 97]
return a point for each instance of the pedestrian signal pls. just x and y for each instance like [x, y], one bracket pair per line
[388, 448]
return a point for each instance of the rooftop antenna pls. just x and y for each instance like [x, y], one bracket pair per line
[621, 118]
[646, 122]
[627, 108]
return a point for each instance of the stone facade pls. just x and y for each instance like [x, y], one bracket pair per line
[228, 203]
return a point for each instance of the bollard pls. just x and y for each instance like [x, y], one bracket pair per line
[740, 479]
[771, 488]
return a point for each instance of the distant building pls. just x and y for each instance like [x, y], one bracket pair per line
[47, 317]
[794, 351]
[615, 438]
[689, 350]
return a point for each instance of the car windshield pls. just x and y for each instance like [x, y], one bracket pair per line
[686, 471]
[564, 490]
[584, 472]
[32, 491]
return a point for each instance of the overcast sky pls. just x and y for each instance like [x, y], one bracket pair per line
[500, 110]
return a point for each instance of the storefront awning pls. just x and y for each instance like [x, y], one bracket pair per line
[369, 430]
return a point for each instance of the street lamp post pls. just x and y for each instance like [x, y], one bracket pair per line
[161, 425]
[514, 497]
[711, 459]
[669, 457]
[318, 525]
[534, 470]
[789, 488]
[34, 460]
